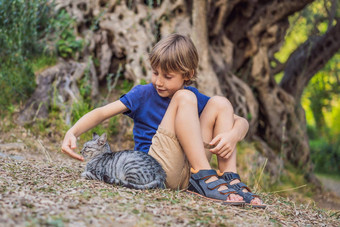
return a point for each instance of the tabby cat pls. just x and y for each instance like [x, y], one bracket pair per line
[132, 169]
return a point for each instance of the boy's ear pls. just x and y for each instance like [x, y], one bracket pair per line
[189, 75]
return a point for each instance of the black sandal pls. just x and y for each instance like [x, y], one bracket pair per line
[247, 196]
[198, 186]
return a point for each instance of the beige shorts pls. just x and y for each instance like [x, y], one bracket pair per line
[167, 150]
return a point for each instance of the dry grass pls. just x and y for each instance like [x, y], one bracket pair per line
[44, 187]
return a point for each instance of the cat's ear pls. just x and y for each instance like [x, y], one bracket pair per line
[95, 136]
[102, 139]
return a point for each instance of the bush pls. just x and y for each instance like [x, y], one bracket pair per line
[23, 24]
[67, 45]
[325, 154]
[16, 82]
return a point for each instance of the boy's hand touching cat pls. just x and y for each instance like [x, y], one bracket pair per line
[224, 144]
[69, 144]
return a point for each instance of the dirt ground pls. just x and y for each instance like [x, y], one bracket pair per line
[331, 184]
[40, 186]
[330, 199]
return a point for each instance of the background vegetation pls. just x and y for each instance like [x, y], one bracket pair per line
[33, 36]
[41, 186]
[321, 99]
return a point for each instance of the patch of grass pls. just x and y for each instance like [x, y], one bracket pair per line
[76, 184]
[42, 62]
[48, 189]
[109, 194]
[6, 122]
[330, 176]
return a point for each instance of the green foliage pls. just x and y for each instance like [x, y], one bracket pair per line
[322, 104]
[17, 82]
[84, 86]
[125, 86]
[321, 98]
[325, 155]
[143, 82]
[313, 20]
[112, 80]
[23, 24]
[79, 109]
[113, 126]
[325, 151]
[322, 94]
[25, 29]
[67, 45]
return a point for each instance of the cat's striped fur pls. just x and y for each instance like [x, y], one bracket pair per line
[132, 169]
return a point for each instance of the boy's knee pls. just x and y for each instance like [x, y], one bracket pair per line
[221, 103]
[185, 97]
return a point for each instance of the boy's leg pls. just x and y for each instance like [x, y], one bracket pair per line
[218, 117]
[182, 118]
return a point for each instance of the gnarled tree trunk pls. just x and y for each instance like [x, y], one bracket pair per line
[236, 41]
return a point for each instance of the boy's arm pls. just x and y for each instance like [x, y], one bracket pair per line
[88, 121]
[225, 143]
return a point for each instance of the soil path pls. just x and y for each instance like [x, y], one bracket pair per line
[330, 184]
[330, 199]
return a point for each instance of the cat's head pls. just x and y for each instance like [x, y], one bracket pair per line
[94, 147]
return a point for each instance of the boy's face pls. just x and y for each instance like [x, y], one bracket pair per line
[166, 84]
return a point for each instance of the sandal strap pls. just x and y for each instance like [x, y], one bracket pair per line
[216, 184]
[247, 196]
[203, 174]
[228, 191]
[230, 176]
[198, 184]
[240, 186]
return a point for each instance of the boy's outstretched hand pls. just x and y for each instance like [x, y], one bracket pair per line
[224, 144]
[69, 144]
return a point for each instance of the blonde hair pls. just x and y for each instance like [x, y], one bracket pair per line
[175, 53]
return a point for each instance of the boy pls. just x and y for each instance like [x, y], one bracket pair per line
[172, 122]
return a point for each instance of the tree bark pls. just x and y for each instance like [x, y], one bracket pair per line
[236, 40]
[207, 81]
[308, 59]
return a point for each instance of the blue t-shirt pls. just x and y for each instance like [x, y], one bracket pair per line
[147, 110]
